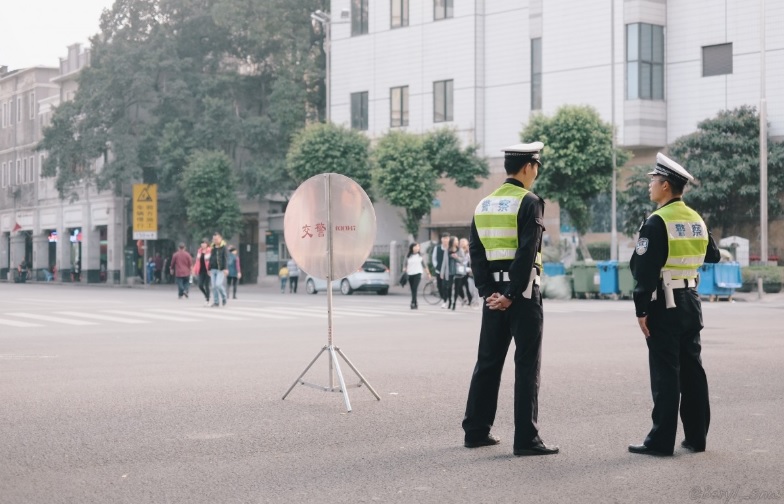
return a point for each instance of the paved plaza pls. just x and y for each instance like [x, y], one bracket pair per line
[117, 395]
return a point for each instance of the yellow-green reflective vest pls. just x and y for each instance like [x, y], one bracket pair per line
[687, 238]
[495, 218]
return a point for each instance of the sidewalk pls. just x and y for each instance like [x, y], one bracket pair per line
[753, 297]
[265, 283]
[271, 283]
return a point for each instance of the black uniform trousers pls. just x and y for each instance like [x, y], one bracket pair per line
[522, 321]
[677, 375]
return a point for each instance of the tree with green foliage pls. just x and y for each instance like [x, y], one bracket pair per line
[409, 167]
[634, 202]
[210, 189]
[167, 77]
[330, 148]
[577, 159]
[723, 157]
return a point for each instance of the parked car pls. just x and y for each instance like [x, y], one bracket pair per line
[373, 276]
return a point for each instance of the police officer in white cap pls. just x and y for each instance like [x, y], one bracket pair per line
[673, 243]
[506, 258]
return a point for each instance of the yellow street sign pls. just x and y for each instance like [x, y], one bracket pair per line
[145, 211]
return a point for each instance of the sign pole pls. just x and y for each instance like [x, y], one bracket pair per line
[144, 266]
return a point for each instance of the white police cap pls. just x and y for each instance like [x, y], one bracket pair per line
[522, 149]
[666, 167]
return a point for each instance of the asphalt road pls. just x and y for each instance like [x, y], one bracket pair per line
[131, 396]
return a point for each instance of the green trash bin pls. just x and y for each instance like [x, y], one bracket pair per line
[625, 280]
[586, 279]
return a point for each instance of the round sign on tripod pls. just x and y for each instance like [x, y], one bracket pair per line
[329, 228]
[329, 217]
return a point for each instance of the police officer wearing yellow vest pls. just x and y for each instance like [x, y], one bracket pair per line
[505, 247]
[673, 243]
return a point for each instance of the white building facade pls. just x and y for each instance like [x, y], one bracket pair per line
[483, 67]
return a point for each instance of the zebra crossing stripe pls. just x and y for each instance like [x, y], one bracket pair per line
[57, 320]
[336, 312]
[200, 314]
[154, 316]
[374, 311]
[261, 313]
[104, 318]
[17, 323]
[303, 312]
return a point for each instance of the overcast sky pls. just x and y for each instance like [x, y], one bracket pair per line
[38, 32]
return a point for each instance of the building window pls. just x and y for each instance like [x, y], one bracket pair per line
[443, 9]
[31, 170]
[19, 172]
[25, 178]
[32, 105]
[399, 13]
[2, 175]
[398, 106]
[18, 109]
[4, 115]
[443, 99]
[40, 167]
[359, 17]
[359, 110]
[717, 60]
[644, 62]
[536, 74]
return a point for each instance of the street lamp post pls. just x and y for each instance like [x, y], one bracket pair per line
[763, 145]
[614, 203]
[324, 20]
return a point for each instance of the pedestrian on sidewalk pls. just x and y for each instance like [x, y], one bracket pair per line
[449, 276]
[438, 260]
[414, 267]
[22, 272]
[467, 280]
[235, 272]
[218, 269]
[158, 261]
[151, 270]
[293, 275]
[283, 274]
[201, 269]
[181, 266]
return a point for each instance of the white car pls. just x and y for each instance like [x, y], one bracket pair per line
[372, 276]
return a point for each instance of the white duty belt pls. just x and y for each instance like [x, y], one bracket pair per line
[503, 276]
[669, 285]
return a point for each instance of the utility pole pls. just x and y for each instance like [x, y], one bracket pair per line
[763, 145]
[614, 204]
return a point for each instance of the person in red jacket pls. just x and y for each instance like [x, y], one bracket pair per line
[181, 265]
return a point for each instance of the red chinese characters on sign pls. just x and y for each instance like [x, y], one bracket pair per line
[321, 230]
[307, 230]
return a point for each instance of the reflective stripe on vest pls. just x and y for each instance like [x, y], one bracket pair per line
[687, 239]
[495, 218]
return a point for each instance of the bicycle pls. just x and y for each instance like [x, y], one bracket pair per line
[430, 292]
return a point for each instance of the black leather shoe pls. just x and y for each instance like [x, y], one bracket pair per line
[691, 447]
[488, 440]
[540, 449]
[644, 450]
